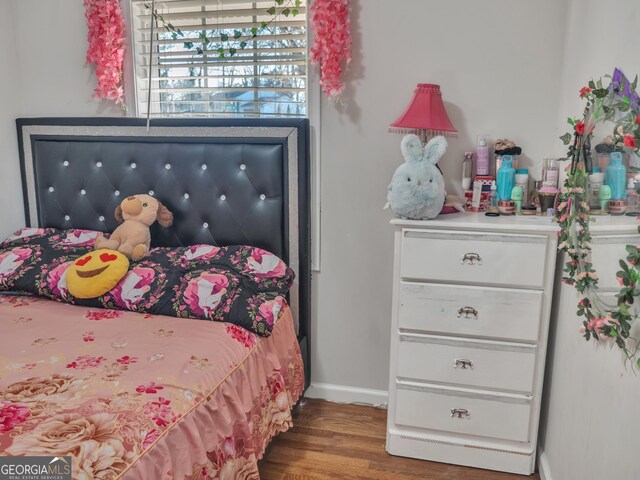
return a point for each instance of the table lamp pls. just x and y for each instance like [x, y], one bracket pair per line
[425, 116]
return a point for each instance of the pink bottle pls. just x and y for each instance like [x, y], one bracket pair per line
[482, 157]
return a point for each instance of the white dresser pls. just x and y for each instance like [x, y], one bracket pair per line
[471, 307]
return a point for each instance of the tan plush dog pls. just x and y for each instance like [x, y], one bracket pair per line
[137, 213]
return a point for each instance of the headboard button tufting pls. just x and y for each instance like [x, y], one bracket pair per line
[117, 193]
[168, 166]
[262, 196]
[151, 192]
[243, 167]
[98, 164]
[223, 197]
[101, 218]
[83, 192]
[67, 218]
[133, 165]
[51, 189]
[205, 225]
[204, 167]
[65, 163]
[186, 196]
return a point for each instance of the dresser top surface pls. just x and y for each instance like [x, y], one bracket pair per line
[479, 221]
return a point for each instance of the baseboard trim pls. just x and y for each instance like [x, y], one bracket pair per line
[344, 394]
[543, 466]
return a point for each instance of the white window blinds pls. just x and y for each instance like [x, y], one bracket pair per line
[265, 77]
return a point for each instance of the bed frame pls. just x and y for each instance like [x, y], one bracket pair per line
[227, 182]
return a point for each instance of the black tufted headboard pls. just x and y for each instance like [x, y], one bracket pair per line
[227, 182]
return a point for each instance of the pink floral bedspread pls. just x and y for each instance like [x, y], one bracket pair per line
[136, 396]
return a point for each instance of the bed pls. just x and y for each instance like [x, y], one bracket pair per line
[141, 396]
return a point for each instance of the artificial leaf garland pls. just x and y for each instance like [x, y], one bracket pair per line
[106, 36]
[620, 105]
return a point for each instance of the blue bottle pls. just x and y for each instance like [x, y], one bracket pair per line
[506, 178]
[616, 177]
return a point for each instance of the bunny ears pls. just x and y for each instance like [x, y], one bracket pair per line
[412, 149]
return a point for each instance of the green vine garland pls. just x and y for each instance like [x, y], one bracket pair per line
[225, 44]
[619, 105]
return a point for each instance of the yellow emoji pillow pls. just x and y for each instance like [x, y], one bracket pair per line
[95, 273]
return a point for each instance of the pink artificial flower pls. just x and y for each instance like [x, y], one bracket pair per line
[596, 324]
[106, 36]
[331, 25]
[629, 141]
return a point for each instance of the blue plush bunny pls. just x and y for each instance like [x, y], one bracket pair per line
[417, 187]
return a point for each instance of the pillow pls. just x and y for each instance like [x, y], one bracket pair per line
[238, 284]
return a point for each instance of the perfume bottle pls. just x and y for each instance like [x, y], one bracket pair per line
[482, 157]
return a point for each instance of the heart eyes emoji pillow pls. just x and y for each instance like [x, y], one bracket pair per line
[96, 273]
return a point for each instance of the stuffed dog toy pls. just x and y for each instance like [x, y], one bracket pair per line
[136, 213]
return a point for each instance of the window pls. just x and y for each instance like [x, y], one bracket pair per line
[266, 78]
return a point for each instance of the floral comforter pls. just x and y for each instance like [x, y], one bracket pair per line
[137, 396]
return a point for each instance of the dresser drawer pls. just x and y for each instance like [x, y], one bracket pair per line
[464, 412]
[606, 252]
[498, 259]
[467, 310]
[489, 365]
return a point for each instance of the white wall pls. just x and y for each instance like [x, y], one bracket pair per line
[498, 62]
[54, 80]
[11, 211]
[591, 400]
[47, 79]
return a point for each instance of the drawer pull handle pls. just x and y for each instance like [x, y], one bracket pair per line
[471, 259]
[463, 363]
[467, 312]
[460, 413]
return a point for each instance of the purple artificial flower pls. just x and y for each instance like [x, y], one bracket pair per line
[619, 79]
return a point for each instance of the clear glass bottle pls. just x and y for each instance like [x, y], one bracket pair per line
[550, 173]
[467, 171]
[492, 201]
[633, 199]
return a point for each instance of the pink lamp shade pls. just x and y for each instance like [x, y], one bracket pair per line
[425, 114]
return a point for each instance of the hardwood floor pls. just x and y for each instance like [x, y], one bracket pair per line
[331, 441]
